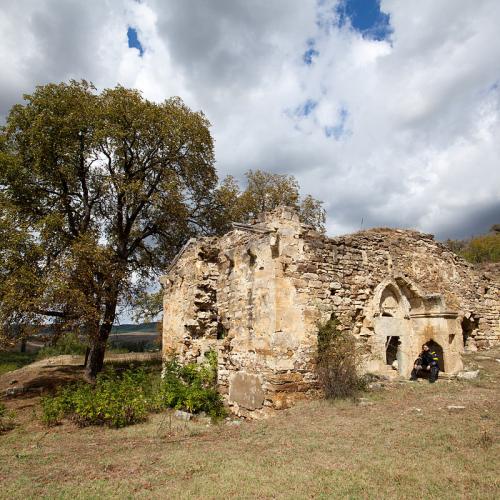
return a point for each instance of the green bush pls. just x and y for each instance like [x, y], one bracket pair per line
[482, 249]
[192, 387]
[116, 400]
[122, 398]
[336, 362]
[55, 408]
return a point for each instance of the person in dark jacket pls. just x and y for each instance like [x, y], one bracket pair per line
[427, 361]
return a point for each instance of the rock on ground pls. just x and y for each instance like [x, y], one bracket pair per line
[468, 375]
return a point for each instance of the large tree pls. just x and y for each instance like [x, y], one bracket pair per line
[98, 191]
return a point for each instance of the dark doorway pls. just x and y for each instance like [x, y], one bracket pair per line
[391, 350]
[434, 346]
[468, 326]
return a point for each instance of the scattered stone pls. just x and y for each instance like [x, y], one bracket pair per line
[376, 377]
[470, 367]
[235, 423]
[14, 391]
[471, 347]
[183, 415]
[376, 386]
[468, 375]
[205, 419]
[365, 402]
[455, 408]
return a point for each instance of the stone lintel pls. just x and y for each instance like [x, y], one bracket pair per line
[251, 228]
[437, 314]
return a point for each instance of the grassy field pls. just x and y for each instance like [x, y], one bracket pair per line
[10, 361]
[399, 442]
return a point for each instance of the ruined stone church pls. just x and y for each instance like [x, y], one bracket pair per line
[257, 295]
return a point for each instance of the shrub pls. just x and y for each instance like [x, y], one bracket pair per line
[482, 249]
[122, 398]
[55, 408]
[116, 400]
[192, 387]
[336, 362]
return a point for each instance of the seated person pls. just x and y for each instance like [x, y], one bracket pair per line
[426, 361]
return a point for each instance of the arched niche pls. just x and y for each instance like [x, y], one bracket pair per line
[397, 293]
[390, 303]
[437, 348]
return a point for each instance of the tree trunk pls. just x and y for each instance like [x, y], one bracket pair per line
[87, 352]
[95, 359]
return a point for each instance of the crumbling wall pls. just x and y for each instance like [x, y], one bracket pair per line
[343, 276]
[256, 296]
[356, 264]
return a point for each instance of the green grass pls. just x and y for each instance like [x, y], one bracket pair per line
[10, 361]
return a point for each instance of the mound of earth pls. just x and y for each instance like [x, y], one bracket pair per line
[39, 377]
[47, 374]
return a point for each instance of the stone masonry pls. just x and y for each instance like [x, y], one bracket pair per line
[257, 294]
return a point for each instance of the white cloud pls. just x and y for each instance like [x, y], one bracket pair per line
[419, 144]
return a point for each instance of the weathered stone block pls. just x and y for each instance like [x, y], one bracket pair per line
[245, 389]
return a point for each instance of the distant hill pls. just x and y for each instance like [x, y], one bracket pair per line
[130, 328]
[127, 328]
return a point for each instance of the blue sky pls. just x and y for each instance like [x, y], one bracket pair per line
[133, 40]
[366, 17]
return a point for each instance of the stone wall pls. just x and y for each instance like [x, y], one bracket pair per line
[256, 296]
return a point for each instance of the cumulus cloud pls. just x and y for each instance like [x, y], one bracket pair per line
[397, 124]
